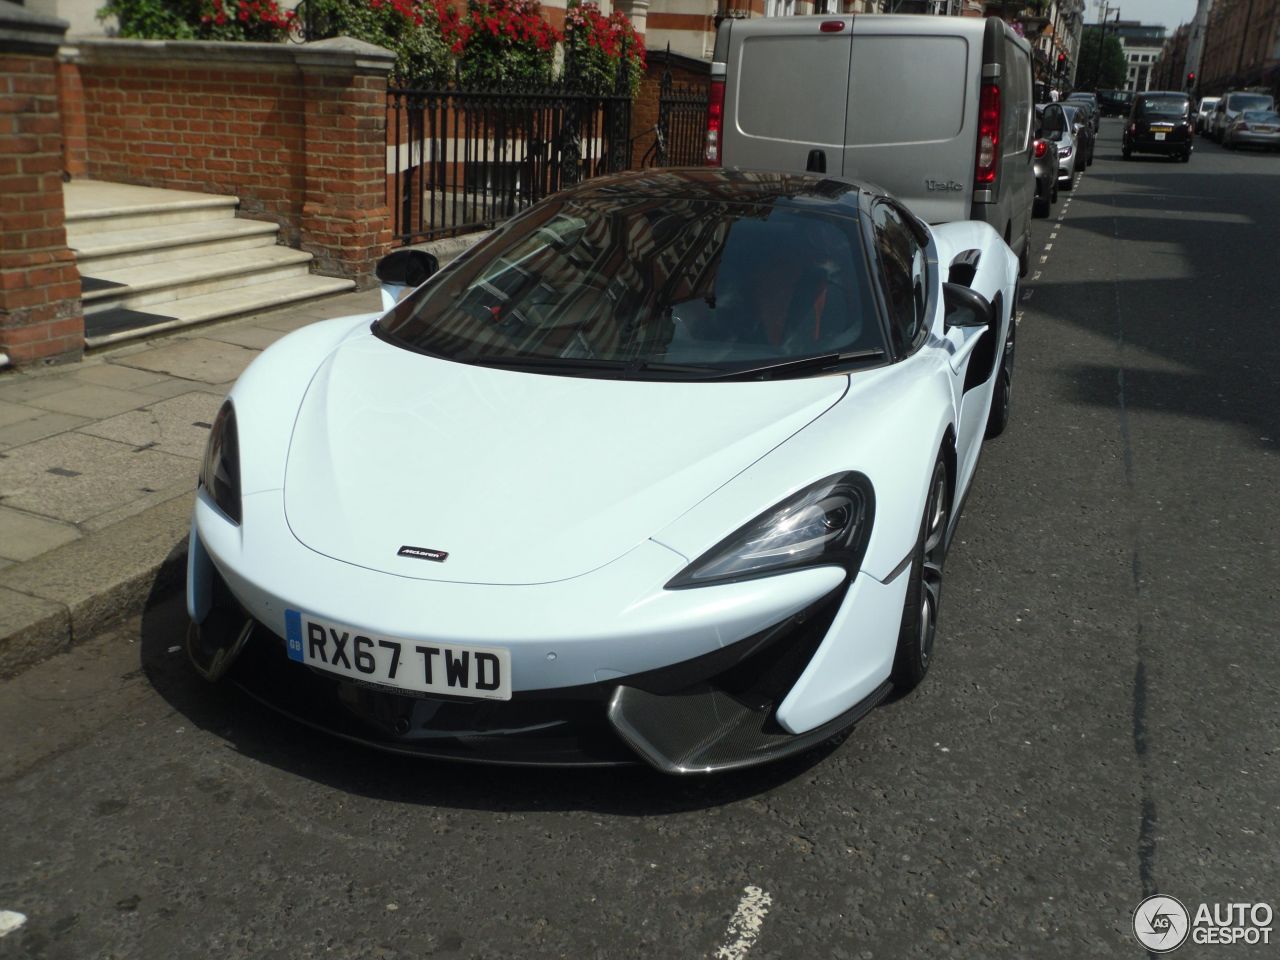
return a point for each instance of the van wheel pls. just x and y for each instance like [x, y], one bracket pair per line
[1127, 153]
[1040, 206]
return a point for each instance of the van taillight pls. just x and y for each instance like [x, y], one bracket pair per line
[1042, 147]
[988, 134]
[715, 123]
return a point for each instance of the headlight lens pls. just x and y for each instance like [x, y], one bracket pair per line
[826, 523]
[220, 471]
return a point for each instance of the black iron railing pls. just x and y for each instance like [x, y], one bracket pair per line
[463, 160]
[680, 136]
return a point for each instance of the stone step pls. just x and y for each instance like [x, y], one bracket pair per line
[95, 207]
[111, 250]
[151, 284]
[251, 298]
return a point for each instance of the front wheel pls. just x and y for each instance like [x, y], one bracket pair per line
[924, 591]
[1126, 153]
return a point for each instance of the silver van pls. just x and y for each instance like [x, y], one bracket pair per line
[937, 110]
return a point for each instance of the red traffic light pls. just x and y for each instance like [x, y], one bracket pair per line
[1062, 57]
[1191, 77]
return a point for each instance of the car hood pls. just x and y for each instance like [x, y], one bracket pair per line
[518, 477]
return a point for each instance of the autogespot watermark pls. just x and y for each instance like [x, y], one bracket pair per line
[1162, 924]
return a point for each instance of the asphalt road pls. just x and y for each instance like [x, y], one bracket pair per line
[1100, 722]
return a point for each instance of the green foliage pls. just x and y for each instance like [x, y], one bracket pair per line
[599, 46]
[506, 43]
[154, 19]
[1114, 72]
[410, 29]
[260, 20]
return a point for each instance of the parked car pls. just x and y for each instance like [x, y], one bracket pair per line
[1115, 103]
[1046, 168]
[665, 469]
[1083, 132]
[1089, 103]
[1235, 102]
[936, 109]
[1057, 129]
[1254, 128]
[1204, 113]
[1159, 123]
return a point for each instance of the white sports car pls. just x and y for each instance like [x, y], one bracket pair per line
[666, 469]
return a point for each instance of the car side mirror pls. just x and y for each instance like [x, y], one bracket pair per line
[402, 271]
[965, 307]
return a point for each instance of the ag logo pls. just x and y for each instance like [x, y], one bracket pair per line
[1161, 924]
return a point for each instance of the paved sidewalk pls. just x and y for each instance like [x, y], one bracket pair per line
[98, 465]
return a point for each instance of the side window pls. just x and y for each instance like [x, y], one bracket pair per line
[904, 276]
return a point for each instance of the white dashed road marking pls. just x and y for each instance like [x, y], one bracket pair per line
[10, 920]
[744, 928]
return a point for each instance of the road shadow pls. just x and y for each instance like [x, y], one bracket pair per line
[267, 737]
[1201, 332]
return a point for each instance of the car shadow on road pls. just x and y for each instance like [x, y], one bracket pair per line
[1197, 342]
[264, 736]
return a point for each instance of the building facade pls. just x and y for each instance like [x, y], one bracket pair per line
[1142, 46]
[1241, 46]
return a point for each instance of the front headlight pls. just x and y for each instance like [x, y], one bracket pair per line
[220, 471]
[1064, 151]
[827, 523]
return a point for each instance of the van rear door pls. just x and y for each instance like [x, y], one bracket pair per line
[786, 95]
[907, 127]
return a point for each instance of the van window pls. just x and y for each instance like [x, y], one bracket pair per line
[1249, 101]
[1017, 100]
[904, 272]
[907, 89]
[793, 88]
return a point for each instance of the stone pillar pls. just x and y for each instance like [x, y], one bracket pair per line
[41, 319]
[75, 133]
[346, 223]
[637, 12]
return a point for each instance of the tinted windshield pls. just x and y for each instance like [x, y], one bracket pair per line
[1249, 101]
[651, 288]
[1162, 106]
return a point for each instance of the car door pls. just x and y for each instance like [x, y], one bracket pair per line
[904, 268]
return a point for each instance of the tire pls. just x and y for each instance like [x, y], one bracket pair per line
[1186, 157]
[998, 418]
[1126, 153]
[1040, 207]
[924, 590]
[1053, 197]
[1070, 183]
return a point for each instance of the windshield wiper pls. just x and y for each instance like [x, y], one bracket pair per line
[802, 366]
[621, 367]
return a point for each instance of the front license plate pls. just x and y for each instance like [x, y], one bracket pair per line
[425, 666]
[1159, 136]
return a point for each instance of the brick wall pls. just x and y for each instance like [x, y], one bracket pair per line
[239, 130]
[296, 131]
[40, 312]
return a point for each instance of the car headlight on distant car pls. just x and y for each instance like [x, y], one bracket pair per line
[825, 524]
[1064, 151]
[220, 470]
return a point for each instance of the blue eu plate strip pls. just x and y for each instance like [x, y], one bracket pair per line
[293, 634]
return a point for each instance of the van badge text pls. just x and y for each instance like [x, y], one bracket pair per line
[937, 186]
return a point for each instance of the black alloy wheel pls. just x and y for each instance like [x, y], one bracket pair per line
[924, 590]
